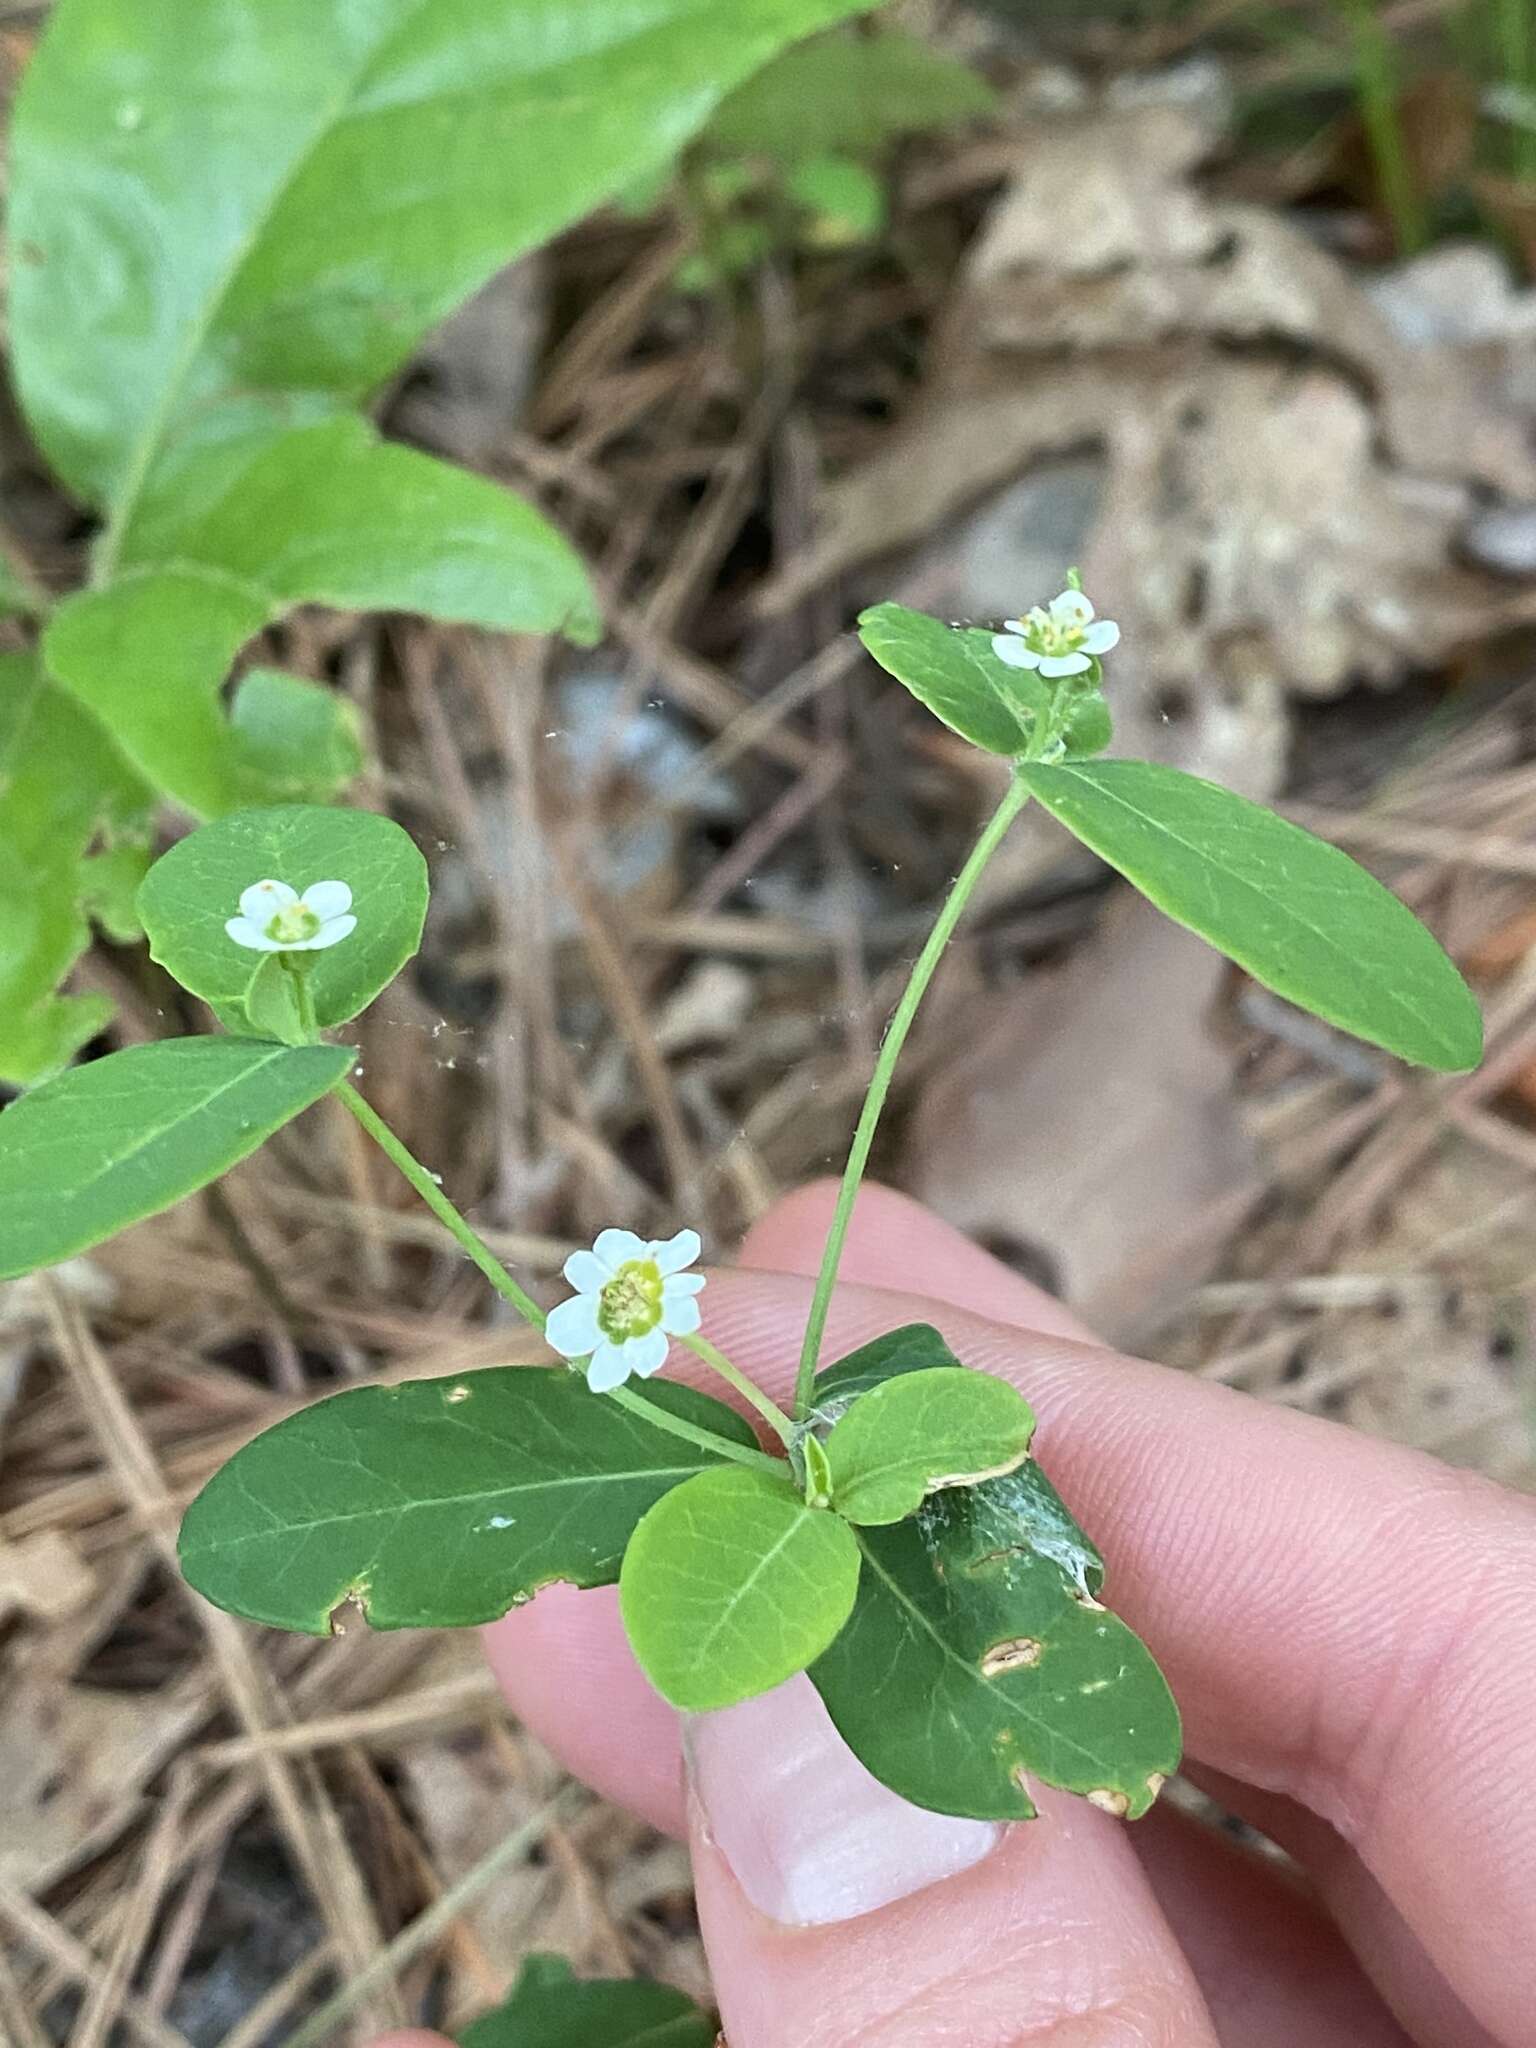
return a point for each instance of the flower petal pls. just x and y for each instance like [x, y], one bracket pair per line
[1071, 608]
[676, 1252]
[327, 899]
[1101, 636]
[246, 933]
[679, 1284]
[1013, 626]
[586, 1272]
[572, 1327]
[263, 898]
[680, 1315]
[1014, 652]
[647, 1354]
[333, 930]
[1064, 664]
[610, 1367]
[614, 1247]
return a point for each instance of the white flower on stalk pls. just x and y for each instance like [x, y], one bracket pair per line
[276, 919]
[631, 1298]
[1058, 638]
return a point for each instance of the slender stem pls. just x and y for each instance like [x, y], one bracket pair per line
[439, 1204]
[429, 1191]
[304, 996]
[690, 1432]
[1016, 798]
[770, 1411]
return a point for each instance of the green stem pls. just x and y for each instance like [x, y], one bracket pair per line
[691, 1432]
[1378, 82]
[439, 1204]
[303, 995]
[1013, 802]
[770, 1411]
[446, 1214]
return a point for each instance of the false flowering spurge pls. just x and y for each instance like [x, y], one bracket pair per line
[887, 1530]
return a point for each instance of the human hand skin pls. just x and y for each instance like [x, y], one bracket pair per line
[1350, 1630]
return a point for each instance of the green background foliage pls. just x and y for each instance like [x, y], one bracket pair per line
[549, 2007]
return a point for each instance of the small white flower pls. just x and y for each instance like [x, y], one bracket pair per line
[276, 919]
[631, 1297]
[1057, 638]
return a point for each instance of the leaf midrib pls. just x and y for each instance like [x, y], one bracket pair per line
[1348, 960]
[977, 1676]
[396, 1509]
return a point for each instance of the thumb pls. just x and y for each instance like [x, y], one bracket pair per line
[834, 1912]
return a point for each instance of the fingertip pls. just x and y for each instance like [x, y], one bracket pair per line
[894, 1242]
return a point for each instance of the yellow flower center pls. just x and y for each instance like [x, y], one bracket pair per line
[630, 1304]
[1054, 637]
[293, 923]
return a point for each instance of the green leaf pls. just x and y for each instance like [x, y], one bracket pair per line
[321, 514]
[549, 2007]
[848, 93]
[437, 1503]
[299, 739]
[973, 1663]
[915, 1347]
[362, 167]
[1089, 727]
[846, 200]
[107, 1144]
[731, 1584]
[921, 1432]
[1296, 913]
[953, 670]
[64, 789]
[191, 891]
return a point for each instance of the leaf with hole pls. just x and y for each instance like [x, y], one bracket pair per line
[921, 1432]
[977, 1655]
[1296, 913]
[550, 2007]
[732, 1584]
[953, 670]
[121, 1138]
[192, 891]
[438, 1503]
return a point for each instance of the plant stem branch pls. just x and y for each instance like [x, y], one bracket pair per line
[1016, 797]
[439, 1204]
[691, 1432]
[771, 1412]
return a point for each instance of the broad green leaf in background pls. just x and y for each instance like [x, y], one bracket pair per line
[63, 788]
[321, 514]
[1295, 912]
[953, 670]
[550, 2007]
[121, 1138]
[437, 1503]
[852, 93]
[920, 1432]
[731, 1584]
[300, 739]
[846, 201]
[973, 1664]
[361, 168]
[194, 888]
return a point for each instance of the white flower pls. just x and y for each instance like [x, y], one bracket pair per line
[276, 919]
[630, 1298]
[1057, 639]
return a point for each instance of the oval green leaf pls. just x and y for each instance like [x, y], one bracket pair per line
[953, 670]
[922, 1432]
[915, 1347]
[731, 1584]
[1296, 913]
[190, 892]
[973, 1663]
[437, 1503]
[107, 1144]
[550, 2007]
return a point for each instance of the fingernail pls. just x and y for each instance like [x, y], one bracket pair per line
[810, 1836]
